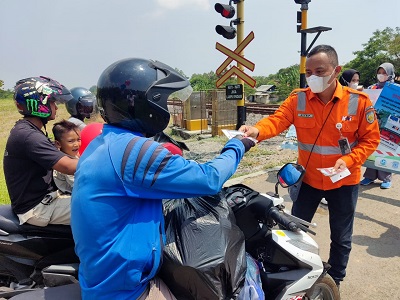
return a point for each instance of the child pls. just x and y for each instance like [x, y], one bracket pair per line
[68, 140]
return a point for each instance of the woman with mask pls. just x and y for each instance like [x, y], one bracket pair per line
[350, 78]
[384, 73]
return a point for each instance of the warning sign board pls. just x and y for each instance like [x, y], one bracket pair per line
[234, 92]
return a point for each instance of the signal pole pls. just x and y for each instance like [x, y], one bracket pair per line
[303, 46]
[241, 108]
[302, 18]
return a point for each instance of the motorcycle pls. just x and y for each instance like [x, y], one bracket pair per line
[38, 263]
[290, 265]
[33, 257]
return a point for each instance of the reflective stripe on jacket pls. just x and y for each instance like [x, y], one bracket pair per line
[352, 109]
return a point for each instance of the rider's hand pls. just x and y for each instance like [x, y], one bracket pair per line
[248, 143]
[249, 131]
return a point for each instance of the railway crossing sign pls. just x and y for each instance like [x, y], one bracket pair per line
[235, 55]
[234, 92]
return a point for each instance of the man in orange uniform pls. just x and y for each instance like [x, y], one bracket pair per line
[336, 127]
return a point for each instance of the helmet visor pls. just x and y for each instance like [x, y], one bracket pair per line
[63, 97]
[182, 94]
[87, 106]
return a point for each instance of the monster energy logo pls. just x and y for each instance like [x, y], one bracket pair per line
[32, 105]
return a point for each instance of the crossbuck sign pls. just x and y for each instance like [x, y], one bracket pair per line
[235, 55]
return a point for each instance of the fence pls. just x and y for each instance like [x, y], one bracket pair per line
[204, 111]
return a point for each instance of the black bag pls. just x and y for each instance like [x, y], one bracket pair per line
[204, 256]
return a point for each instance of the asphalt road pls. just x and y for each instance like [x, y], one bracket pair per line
[373, 271]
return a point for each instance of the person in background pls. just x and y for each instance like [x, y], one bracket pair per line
[30, 157]
[350, 78]
[68, 140]
[326, 115]
[384, 73]
[123, 176]
[82, 106]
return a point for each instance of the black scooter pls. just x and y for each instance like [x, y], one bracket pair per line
[33, 257]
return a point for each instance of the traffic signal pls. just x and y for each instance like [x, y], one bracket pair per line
[298, 21]
[302, 1]
[227, 11]
[227, 32]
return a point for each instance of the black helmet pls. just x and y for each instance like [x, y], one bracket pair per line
[83, 105]
[33, 95]
[133, 92]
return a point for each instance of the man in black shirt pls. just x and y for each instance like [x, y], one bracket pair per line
[30, 157]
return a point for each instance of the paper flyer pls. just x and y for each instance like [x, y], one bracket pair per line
[232, 133]
[334, 175]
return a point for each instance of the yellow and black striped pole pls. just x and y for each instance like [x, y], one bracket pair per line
[241, 108]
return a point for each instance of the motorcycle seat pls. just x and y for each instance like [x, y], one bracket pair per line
[9, 223]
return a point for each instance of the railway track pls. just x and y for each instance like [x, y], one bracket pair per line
[255, 108]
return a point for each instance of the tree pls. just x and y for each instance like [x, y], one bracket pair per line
[4, 93]
[383, 46]
[202, 82]
[286, 80]
[93, 89]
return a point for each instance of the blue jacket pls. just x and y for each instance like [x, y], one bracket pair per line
[116, 215]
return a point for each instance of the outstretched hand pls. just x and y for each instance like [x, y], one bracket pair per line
[249, 131]
[248, 143]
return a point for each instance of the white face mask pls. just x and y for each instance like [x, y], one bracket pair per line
[319, 84]
[353, 85]
[381, 77]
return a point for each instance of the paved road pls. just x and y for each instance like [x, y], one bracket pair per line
[374, 267]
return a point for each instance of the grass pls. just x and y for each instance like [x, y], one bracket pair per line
[9, 115]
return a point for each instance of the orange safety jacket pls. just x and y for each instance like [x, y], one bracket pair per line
[303, 108]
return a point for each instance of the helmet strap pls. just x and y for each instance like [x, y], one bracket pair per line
[44, 121]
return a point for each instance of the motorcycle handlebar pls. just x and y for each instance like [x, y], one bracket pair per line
[280, 218]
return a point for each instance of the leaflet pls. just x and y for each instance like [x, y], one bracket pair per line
[232, 133]
[334, 175]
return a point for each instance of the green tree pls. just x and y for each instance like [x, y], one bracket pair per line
[383, 46]
[93, 89]
[202, 82]
[4, 93]
[286, 80]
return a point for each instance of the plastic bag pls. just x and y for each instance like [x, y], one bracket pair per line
[204, 256]
[252, 289]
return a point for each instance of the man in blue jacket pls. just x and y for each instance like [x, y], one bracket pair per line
[122, 177]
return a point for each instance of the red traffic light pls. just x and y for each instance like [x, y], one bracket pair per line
[226, 10]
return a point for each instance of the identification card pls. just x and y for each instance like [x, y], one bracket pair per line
[344, 145]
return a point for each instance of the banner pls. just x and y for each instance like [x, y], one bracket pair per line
[387, 106]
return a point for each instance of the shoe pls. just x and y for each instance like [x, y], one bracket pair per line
[366, 181]
[386, 185]
[324, 202]
[338, 285]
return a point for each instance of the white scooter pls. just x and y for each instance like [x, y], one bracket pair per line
[291, 268]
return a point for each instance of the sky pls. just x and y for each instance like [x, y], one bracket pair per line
[73, 41]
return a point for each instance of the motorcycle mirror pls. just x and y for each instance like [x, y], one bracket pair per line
[290, 174]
